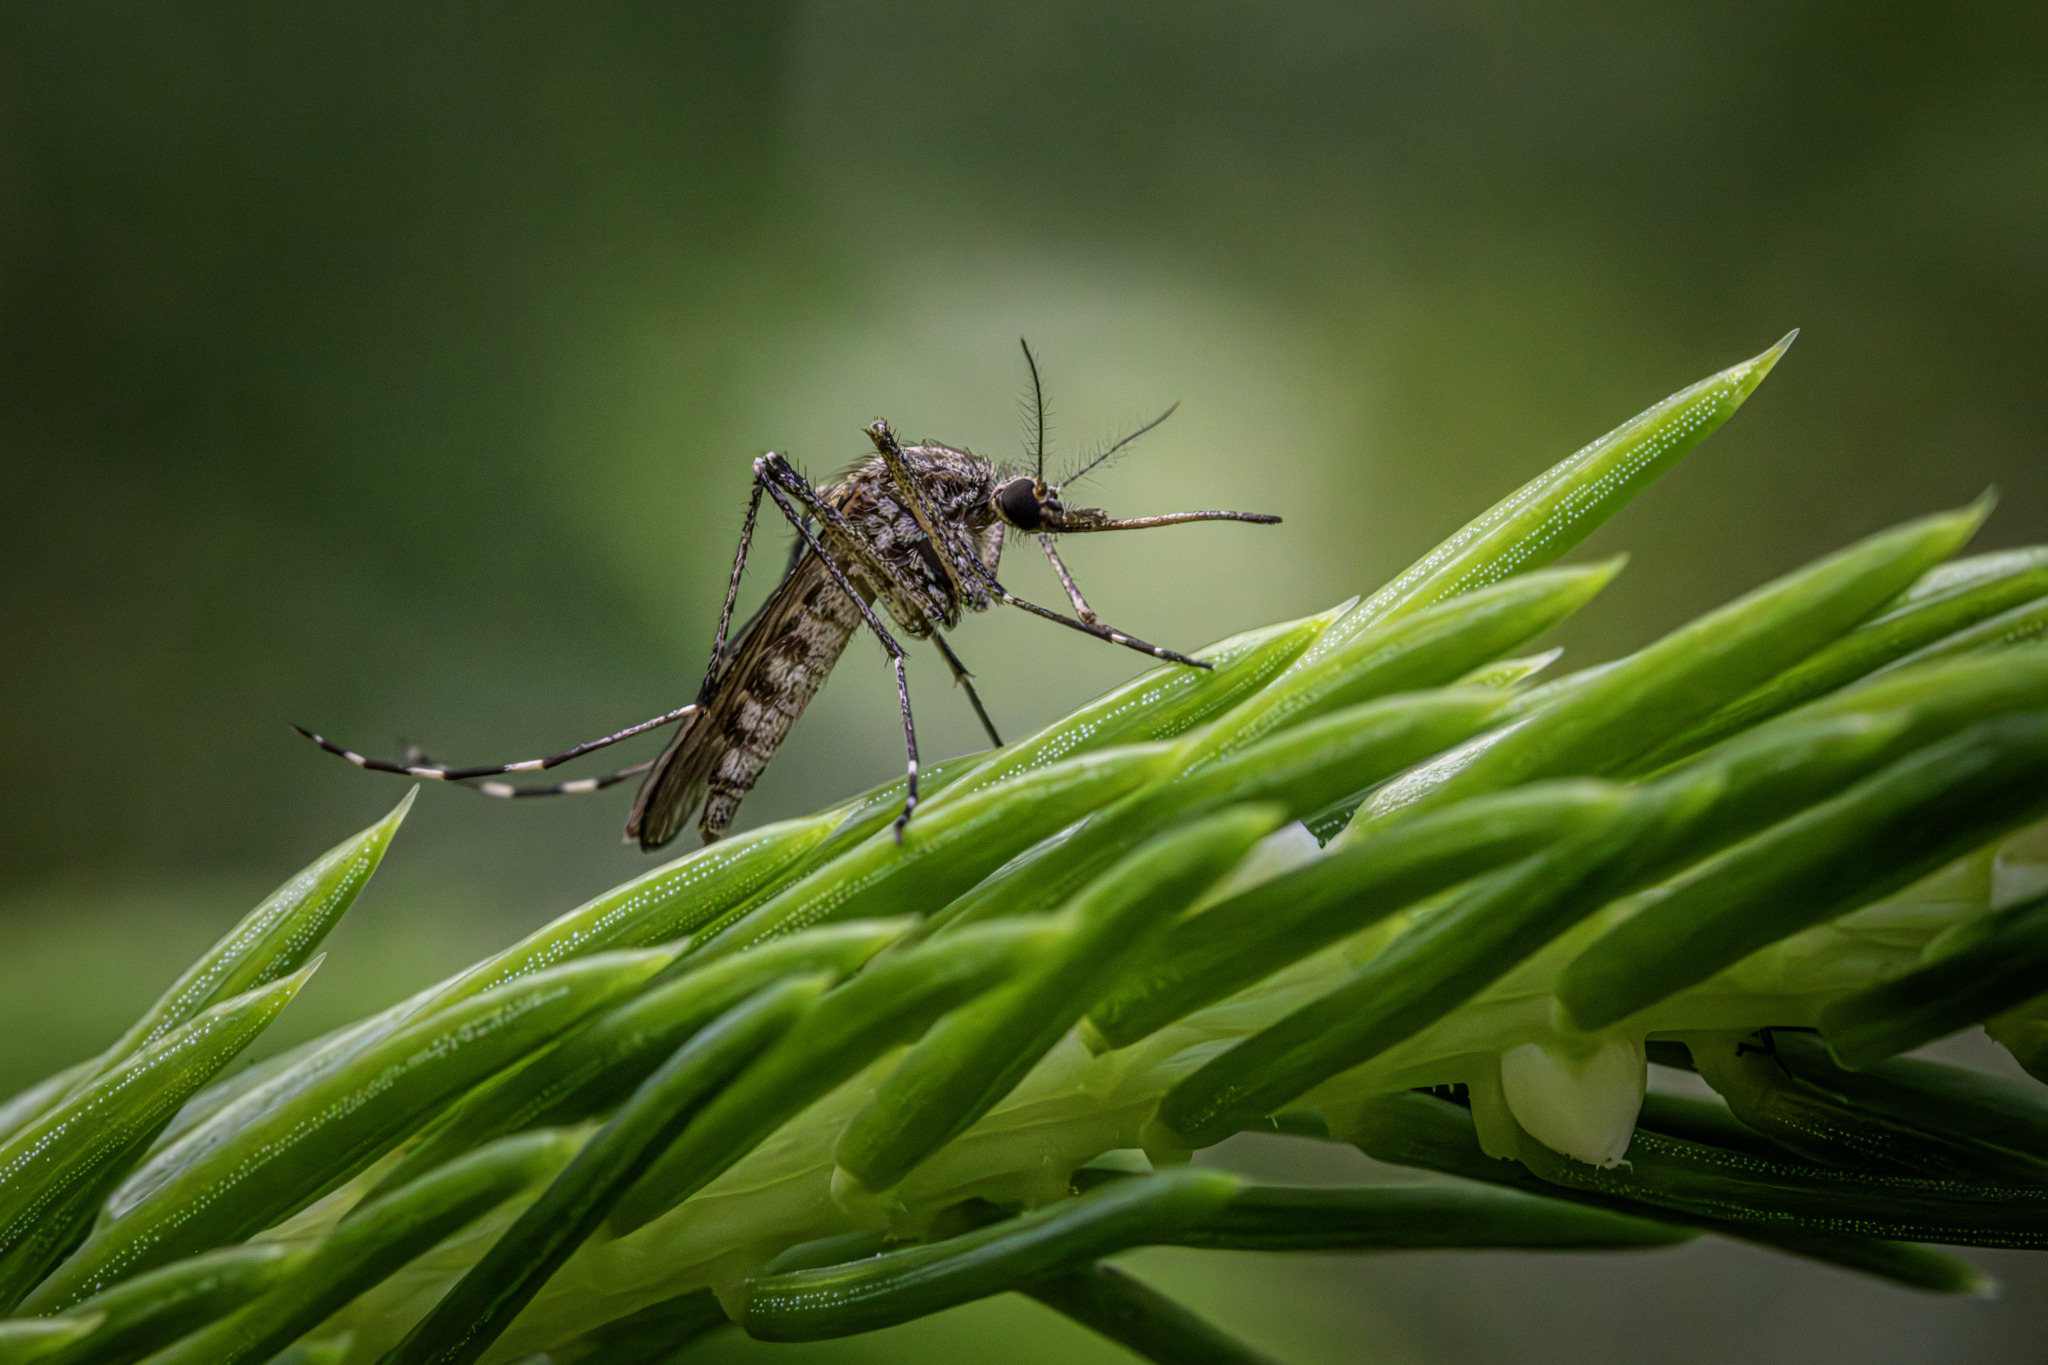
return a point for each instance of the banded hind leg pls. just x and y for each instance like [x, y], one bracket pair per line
[472, 777]
[507, 790]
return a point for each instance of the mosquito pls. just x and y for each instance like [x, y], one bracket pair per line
[917, 530]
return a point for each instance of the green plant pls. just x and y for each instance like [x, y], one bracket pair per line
[1362, 882]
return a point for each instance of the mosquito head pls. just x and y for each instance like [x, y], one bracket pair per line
[1029, 505]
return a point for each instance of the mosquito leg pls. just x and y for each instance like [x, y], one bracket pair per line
[764, 471]
[966, 680]
[576, 788]
[436, 772]
[418, 757]
[732, 592]
[1097, 629]
[1081, 607]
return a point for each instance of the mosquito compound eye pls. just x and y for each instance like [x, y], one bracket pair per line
[1017, 501]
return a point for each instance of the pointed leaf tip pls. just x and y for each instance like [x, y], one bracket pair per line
[1560, 507]
[1609, 567]
[1962, 523]
[1751, 372]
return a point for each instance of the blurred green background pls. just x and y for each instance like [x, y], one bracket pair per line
[396, 369]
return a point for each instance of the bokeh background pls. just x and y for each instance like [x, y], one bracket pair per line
[395, 369]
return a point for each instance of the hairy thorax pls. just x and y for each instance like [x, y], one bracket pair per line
[919, 590]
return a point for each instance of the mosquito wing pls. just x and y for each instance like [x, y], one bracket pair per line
[778, 662]
[672, 787]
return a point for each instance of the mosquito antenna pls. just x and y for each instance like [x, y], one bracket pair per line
[1083, 471]
[1037, 412]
